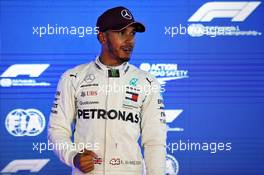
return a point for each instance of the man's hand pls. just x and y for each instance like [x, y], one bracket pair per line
[85, 161]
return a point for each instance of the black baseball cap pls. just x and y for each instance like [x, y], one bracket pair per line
[116, 19]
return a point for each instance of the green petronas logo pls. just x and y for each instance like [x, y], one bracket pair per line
[114, 72]
[133, 82]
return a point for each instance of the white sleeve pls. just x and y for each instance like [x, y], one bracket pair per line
[154, 132]
[62, 115]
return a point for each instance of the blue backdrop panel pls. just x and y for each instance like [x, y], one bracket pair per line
[213, 80]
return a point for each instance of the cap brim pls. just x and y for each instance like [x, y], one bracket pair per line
[139, 27]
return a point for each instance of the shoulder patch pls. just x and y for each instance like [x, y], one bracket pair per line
[72, 75]
[149, 80]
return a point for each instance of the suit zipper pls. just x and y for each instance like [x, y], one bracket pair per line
[106, 108]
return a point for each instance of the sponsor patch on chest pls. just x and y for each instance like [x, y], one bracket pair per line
[131, 98]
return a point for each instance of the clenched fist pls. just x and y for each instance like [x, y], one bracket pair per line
[85, 161]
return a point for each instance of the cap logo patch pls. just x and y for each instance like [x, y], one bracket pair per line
[125, 14]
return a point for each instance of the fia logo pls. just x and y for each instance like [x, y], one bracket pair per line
[29, 122]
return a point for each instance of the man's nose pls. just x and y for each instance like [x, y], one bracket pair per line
[130, 39]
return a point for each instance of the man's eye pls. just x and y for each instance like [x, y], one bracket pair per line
[121, 33]
[133, 33]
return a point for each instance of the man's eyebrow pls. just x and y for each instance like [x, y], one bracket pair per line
[133, 30]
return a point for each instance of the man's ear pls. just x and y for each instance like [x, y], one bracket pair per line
[101, 37]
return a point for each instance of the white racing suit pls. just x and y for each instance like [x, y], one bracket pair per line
[110, 107]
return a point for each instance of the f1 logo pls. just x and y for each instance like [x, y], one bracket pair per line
[33, 70]
[238, 11]
[171, 115]
[33, 165]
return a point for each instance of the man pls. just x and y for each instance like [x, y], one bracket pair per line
[111, 103]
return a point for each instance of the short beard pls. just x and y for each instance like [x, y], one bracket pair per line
[112, 50]
[124, 59]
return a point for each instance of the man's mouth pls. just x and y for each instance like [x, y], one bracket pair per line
[127, 49]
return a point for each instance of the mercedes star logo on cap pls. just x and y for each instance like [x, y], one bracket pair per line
[126, 14]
